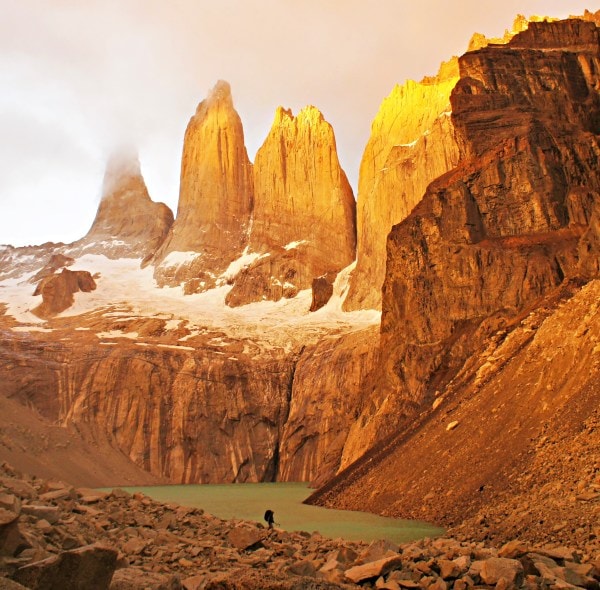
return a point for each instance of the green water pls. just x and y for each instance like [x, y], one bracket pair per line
[249, 502]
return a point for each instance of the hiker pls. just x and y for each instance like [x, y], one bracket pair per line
[270, 518]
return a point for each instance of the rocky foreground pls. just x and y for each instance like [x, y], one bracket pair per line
[54, 536]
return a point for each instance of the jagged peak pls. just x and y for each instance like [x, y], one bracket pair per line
[520, 24]
[219, 96]
[122, 166]
[282, 114]
[308, 115]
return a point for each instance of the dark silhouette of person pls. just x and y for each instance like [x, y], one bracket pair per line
[270, 518]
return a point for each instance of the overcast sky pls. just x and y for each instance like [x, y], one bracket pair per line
[81, 77]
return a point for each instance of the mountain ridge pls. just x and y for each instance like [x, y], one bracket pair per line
[485, 272]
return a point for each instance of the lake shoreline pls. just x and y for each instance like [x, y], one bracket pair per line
[249, 501]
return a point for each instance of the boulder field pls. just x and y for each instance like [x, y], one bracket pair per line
[55, 536]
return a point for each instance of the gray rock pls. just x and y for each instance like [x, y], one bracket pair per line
[18, 487]
[244, 538]
[133, 578]
[50, 513]
[10, 502]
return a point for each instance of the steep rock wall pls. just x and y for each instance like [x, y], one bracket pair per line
[303, 223]
[188, 416]
[411, 144]
[209, 415]
[327, 396]
[514, 220]
[215, 198]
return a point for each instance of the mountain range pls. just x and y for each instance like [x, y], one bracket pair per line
[430, 349]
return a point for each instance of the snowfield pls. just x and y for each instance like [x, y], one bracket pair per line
[124, 290]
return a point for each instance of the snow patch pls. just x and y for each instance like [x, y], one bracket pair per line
[125, 290]
[30, 329]
[172, 324]
[408, 145]
[246, 259]
[175, 347]
[178, 258]
[118, 334]
[293, 245]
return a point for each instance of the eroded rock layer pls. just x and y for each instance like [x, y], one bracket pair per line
[210, 410]
[303, 223]
[510, 223]
[326, 397]
[215, 199]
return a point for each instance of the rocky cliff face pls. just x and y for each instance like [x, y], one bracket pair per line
[411, 144]
[188, 416]
[326, 397]
[303, 223]
[215, 199]
[190, 405]
[516, 219]
[128, 223]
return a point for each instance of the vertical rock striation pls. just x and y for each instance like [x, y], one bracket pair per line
[304, 211]
[215, 199]
[411, 144]
[327, 395]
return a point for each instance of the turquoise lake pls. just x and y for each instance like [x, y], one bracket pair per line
[249, 502]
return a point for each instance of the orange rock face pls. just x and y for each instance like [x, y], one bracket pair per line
[128, 223]
[304, 210]
[215, 199]
[411, 144]
[516, 218]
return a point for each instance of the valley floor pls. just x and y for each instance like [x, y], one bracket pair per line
[53, 535]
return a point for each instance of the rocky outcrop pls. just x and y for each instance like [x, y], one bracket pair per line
[520, 24]
[215, 198]
[322, 290]
[128, 223]
[504, 450]
[327, 395]
[411, 144]
[55, 262]
[510, 223]
[58, 291]
[190, 417]
[197, 414]
[303, 223]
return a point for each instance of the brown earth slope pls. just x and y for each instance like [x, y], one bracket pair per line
[511, 445]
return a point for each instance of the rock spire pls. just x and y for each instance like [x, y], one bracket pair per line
[304, 210]
[411, 144]
[128, 223]
[215, 198]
